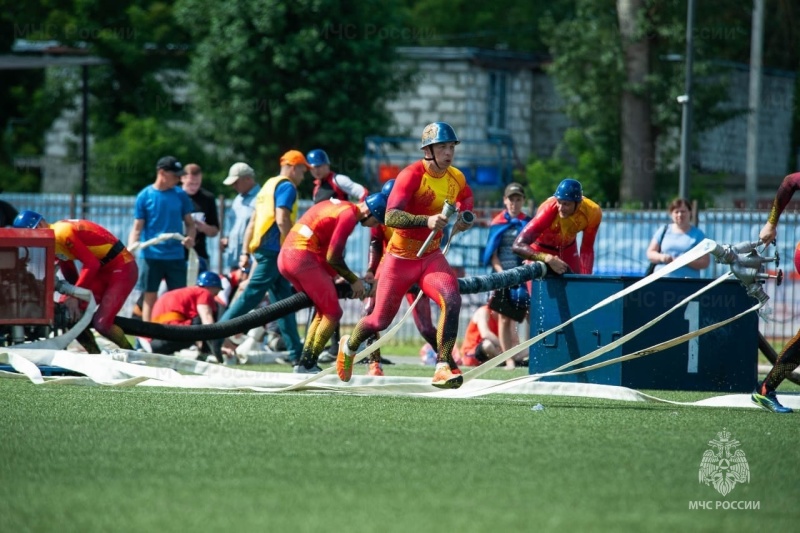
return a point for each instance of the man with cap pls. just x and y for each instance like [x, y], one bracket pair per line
[415, 209]
[329, 184]
[189, 306]
[162, 207]
[275, 211]
[312, 257]
[242, 178]
[550, 236]
[499, 255]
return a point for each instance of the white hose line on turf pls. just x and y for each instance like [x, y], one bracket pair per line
[106, 369]
[192, 263]
[705, 246]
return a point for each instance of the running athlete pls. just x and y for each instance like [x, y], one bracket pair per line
[414, 210]
[108, 270]
[550, 236]
[764, 395]
[312, 256]
[379, 238]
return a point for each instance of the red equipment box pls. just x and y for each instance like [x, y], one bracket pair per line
[27, 263]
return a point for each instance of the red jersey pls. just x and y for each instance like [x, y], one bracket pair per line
[323, 230]
[419, 193]
[472, 337]
[179, 306]
[552, 234]
[89, 243]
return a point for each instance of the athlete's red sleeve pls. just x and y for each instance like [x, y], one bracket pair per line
[376, 246]
[91, 265]
[465, 201]
[405, 185]
[587, 242]
[543, 219]
[785, 192]
[335, 253]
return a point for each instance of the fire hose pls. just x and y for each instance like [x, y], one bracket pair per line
[296, 302]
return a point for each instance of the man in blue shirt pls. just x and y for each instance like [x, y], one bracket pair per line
[162, 207]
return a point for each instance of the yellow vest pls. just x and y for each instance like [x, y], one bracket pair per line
[264, 211]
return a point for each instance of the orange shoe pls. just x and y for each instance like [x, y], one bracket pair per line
[375, 368]
[445, 378]
[344, 362]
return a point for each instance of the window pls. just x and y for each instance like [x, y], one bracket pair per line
[496, 116]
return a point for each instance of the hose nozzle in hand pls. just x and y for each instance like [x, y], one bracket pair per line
[448, 210]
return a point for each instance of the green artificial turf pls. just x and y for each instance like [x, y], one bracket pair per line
[101, 459]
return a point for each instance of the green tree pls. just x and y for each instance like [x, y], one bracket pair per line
[270, 76]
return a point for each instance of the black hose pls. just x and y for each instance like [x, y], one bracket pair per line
[296, 302]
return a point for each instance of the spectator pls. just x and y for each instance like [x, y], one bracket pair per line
[328, 184]
[189, 306]
[108, 269]
[673, 240]
[481, 342]
[312, 256]
[414, 210]
[205, 216]
[273, 218]
[551, 235]
[242, 178]
[499, 255]
[161, 208]
[380, 235]
[7, 213]
[789, 358]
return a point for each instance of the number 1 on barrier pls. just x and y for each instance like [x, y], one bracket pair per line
[692, 315]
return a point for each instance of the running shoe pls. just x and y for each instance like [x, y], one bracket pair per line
[344, 362]
[375, 369]
[445, 378]
[302, 369]
[769, 401]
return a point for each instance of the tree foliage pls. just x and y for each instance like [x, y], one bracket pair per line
[271, 76]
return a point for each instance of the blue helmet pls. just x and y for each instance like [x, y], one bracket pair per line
[317, 157]
[520, 297]
[209, 279]
[438, 132]
[569, 190]
[27, 219]
[376, 203]
[387, 188]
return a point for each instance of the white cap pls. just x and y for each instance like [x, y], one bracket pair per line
[237, 171]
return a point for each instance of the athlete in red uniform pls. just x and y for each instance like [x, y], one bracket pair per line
[789, 359]
[189, 306]
[414, 210]
[312, 256]
[550, 236]
[379, 238]
[108, 270]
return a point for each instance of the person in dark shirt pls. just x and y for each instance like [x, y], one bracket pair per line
[204, 213]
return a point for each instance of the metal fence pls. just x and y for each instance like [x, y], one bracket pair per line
[620, 249]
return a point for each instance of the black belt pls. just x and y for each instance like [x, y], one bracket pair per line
[554, 248]
[115, 250]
